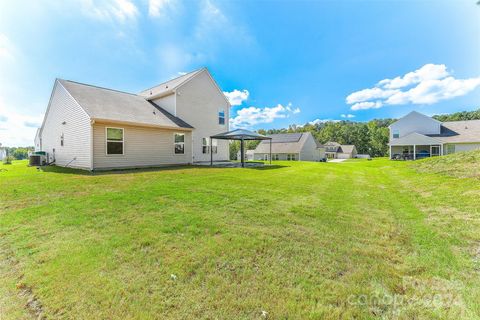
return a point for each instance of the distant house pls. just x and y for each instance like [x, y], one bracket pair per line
[291, 146]
[3, 152]
[417, 136]
[248, 155]
[334, 150]
[92, 128]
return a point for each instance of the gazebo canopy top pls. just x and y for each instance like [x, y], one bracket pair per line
[240, 134]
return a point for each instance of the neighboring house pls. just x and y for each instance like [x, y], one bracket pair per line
[3, 152]
[291, 146]
[334, 150]
[92, 128]
[417, 136]
[248, 155]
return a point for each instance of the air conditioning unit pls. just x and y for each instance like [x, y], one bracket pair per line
[37, 159]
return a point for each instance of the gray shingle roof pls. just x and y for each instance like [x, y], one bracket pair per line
[166, 87]
[281, 144]
[459, 131]
[347, 148]
[111, 105]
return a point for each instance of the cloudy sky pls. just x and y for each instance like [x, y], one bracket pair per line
[278, 62]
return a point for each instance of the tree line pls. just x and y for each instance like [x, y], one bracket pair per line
[369, 137]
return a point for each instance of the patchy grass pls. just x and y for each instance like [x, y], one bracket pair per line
[365, 240]
[460, 165]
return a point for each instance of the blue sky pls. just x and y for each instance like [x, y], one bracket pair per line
[300, 61]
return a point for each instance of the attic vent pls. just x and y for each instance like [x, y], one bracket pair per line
[166, 87]
[150, 92]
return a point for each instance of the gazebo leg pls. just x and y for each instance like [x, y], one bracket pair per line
[242, 153]
[270, 151]
[211, 153]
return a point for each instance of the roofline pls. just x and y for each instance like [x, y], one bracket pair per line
[139, 124]
[211, 78]
[172, 80]
[414, 111]
[416, 133]
[58, 81]
[98, 87]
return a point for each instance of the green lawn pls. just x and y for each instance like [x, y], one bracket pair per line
[359, 239]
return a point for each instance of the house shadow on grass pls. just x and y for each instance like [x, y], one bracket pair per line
[62, 170]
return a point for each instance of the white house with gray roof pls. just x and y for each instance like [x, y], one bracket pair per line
[335, 150]
[418, 136]
[292, 147]
[90, 127]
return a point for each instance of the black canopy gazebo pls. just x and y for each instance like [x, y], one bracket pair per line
[242, 135]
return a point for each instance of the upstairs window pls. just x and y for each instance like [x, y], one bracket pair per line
[221, 117]
[396, 134]
[179, 143]
[114, 141]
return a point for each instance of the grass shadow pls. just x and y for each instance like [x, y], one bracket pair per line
[268, 167]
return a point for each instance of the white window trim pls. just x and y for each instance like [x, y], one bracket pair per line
[224, 117]
[207, 144]
[106, 142]
[396, 132]
[174, 143]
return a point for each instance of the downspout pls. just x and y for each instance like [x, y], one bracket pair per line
[92, 123]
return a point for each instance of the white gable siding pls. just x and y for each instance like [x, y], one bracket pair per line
[77, 133]
[143, 147]
[309, 151]
[198, 103]
[37, 141]
[415, 122]
[167, 103]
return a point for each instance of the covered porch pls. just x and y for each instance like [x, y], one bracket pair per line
[414, 152]
[414, 146]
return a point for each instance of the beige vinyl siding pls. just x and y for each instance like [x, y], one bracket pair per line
[143, 147]
[65, 116]
[459, 147]
[197, 103]
[167, 103]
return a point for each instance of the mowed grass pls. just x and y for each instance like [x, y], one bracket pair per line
[361, 239]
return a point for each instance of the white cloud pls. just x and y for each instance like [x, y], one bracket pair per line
[427, 85]
[367, 105]
[6, 48]
[348, 115]
[251, 116]
[427, 72]
[17, 129]
[237, 97]
[369, 94]
[158, 8]
[111, 10]
[432, 91]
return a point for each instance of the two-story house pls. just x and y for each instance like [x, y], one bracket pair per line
[335, 150]
[94, 128]
[418, 136]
